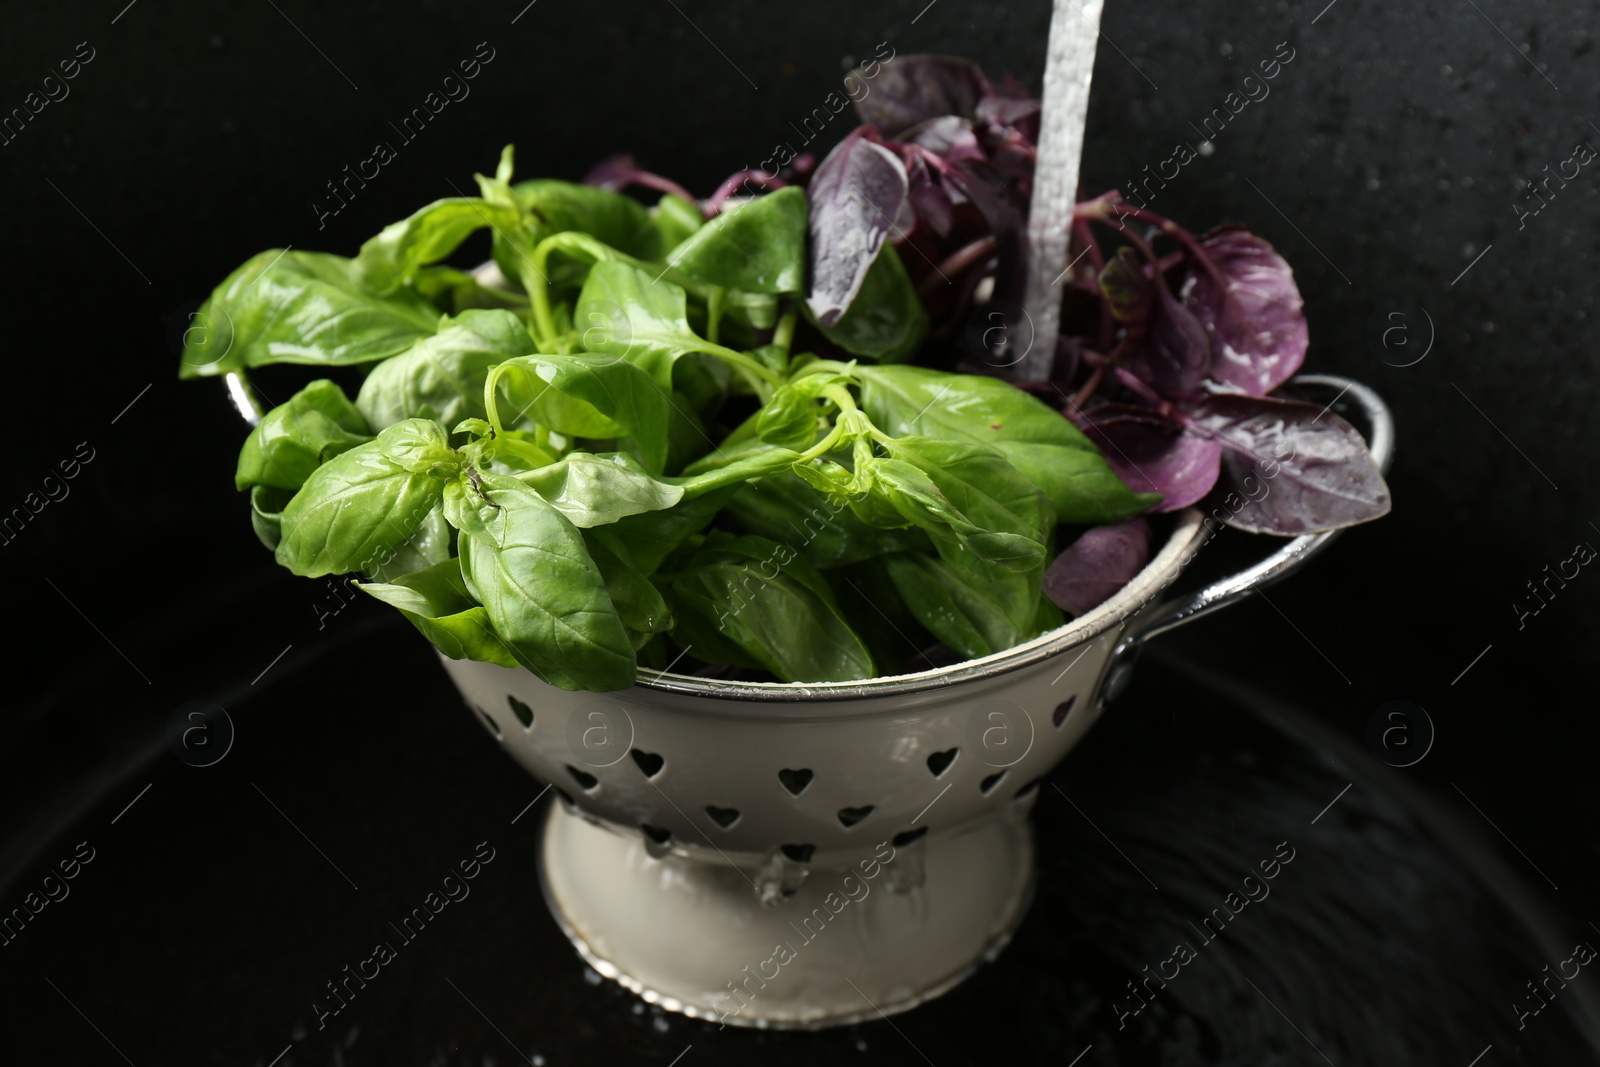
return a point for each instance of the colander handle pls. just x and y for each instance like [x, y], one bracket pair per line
[1369, 409]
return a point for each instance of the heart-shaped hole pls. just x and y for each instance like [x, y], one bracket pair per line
[795, 781]
[648, 762]
[723, 817]
[987, 785]
[1062, 709]
[584, 779]
[656, 833]
[494, 727]
[798, 853]
[940, 762]
[850, 816]
[910, 837]
[1027, 790]
[523, 713]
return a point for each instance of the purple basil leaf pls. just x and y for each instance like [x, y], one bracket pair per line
[1154, 455]
[1005, 212]
[618, 172]
[1011, 153]
[913, 89]
[1288, 467]
[1258, 332]
[999, 110]
[612, 173]
[905, 221]
[1091, 569]
[928, 196]
[949, 137]
[853, 198]
[1165, 346]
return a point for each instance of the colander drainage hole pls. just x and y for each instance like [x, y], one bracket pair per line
[848, 817]
[798, 853]
[1031, 787]
[988, 784]
[723, 817]
[1064, 708]
[523, 713]
[910, 837]
[656, 833]
[795, 781]
[585, 780]
[940, 762]
[494, 727]
[648, 762]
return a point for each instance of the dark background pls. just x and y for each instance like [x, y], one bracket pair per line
[1387, 157]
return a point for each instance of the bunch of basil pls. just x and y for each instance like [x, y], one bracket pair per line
[1172, 345]
[612, 454]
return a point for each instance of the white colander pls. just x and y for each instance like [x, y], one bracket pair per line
[767, 854]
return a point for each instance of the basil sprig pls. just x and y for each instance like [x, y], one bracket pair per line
[623, 455]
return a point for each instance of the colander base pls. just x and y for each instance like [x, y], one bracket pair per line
[693, 936]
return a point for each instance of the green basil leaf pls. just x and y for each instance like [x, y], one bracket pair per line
[436, 602]
[687, 435]
[266, 512]
[648, 539]
[543, 593]
[703, 381]
[296, 437]
[835, 480]
[525, 449]
[783, 507]
[791, 419]
[427, 546]
[401, 249]
[975, 619]
[589, 395]
[740, 461]
[456, 291]
[1048, 617]
[891, 632]
[301, 307]
[619, 221]
[886, 320]
[363, 504]
[639, 603]
[981, 514]
[740, 309]
[774, 606]
[419, 446]
[441, 377]
[468, 510]
[656, 331]
[756, 246]
[1042, 445]
[675, 219]
[594, 490]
